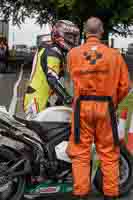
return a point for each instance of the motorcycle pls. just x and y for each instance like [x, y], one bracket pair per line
[34, 162]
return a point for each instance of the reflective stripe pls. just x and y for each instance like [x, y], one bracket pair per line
[34, 64]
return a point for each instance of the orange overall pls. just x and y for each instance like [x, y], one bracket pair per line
[96, 70]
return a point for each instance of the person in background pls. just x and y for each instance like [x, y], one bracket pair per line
[4, 54]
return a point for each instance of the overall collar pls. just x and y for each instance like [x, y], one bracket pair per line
[93, 39]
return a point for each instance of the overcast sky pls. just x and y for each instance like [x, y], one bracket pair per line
[28, 32]
[121, 42]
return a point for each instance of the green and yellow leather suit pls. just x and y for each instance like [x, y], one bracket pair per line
[47, 67]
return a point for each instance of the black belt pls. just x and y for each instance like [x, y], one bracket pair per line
[111, 111]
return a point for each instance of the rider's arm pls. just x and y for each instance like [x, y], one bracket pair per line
[53, 66]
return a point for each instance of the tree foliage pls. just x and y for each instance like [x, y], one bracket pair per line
[116, 14]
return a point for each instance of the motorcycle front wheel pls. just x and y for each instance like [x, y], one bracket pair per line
[126, 174]
[10, 189]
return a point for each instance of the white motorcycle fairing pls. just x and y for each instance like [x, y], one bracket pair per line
[55, 114]
[59, 114]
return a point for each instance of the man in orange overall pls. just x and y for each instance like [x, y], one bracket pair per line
[100, 78]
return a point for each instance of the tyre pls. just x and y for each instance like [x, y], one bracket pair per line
[10, 189]
[126, 173]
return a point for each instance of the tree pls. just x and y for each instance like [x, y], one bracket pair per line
[117, 15]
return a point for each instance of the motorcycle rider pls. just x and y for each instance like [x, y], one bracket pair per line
[100, 78]
[48, 66]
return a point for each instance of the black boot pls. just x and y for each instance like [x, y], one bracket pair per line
[110, 198]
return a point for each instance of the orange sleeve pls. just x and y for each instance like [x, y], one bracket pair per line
[73, 60]
[123, 86]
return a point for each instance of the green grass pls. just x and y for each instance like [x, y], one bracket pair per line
[127, 103]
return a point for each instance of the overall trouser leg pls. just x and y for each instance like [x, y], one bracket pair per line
[96, 120]
[109, 156]
[81, 155]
